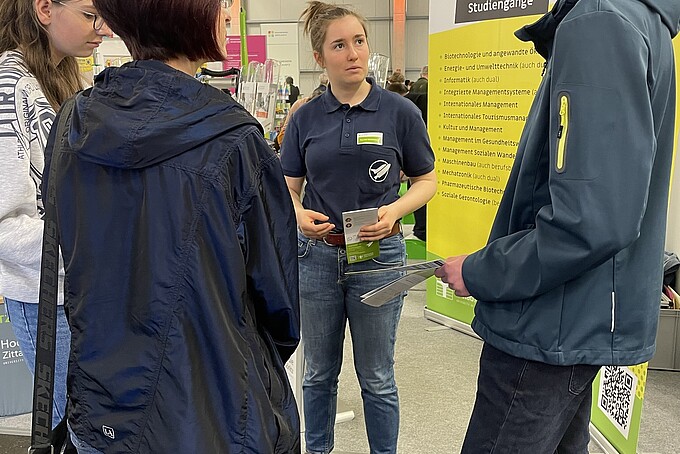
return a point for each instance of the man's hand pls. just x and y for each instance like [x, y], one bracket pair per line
[452, 273]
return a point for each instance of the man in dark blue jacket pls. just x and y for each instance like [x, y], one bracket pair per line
[571, 276]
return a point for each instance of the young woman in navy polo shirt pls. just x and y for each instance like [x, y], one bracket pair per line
[325, 145]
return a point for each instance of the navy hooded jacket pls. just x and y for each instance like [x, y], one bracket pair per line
[179, 245]
[572, 271]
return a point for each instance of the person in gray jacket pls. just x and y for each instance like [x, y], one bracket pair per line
[570, 279]
[39, 43]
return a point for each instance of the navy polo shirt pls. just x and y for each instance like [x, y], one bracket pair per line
[351, 156]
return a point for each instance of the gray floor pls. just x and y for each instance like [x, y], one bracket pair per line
[436, 371]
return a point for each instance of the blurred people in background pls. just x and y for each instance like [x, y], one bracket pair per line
[397, 87]
[420, 85]
[294, 91]
[396, 77]
[323, 84]
[418, 95]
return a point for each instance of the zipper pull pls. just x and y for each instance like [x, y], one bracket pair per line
[564, 104]
[562, 131]
[545, 66]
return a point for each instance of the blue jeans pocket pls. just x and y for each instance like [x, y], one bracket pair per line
[582, 376]
[392, 252]
[303, 246]
[380, 263]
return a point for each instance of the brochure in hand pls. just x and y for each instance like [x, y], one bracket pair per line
[357, 250]
[415, 274]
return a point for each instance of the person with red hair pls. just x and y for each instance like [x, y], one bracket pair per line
[179, 248]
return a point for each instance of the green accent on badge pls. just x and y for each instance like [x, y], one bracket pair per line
[362, 140]
[373, 138]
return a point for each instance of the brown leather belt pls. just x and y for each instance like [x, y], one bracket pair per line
[338, 239]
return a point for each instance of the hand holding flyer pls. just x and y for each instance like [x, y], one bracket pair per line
[353, 221]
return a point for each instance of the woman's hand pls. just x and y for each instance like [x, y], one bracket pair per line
[313, 224]
[386, 219]
[422, 189]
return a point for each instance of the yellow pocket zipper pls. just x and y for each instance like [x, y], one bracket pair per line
[562, 131]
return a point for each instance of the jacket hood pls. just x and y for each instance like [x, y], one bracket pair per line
[542, 31]
[146, 112]
[669, 10]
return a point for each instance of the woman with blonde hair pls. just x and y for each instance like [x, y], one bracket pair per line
[39, 40]
[350, 145]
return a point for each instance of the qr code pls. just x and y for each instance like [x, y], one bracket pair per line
[616, 396]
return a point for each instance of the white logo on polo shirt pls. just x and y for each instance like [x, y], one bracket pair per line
[378, 170]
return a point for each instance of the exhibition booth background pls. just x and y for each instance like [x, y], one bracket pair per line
[279, 22]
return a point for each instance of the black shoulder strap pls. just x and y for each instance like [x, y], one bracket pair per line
[42, 438]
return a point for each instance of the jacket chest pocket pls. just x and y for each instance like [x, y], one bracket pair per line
[584, 135]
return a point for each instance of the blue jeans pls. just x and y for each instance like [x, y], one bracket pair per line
[529, 407]
[328, 298]
[24, 318]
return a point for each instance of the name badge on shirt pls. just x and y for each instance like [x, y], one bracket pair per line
[373, 138]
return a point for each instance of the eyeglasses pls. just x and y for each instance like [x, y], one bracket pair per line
[226, 3]
[97, 20]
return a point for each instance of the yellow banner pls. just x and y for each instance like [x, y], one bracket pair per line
[85, 64]
[482, 82]
[481, 90]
